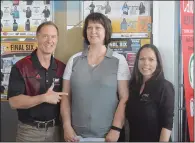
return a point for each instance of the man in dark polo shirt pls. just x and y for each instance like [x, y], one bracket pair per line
[34, 89]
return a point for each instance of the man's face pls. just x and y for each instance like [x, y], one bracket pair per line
[47, 39]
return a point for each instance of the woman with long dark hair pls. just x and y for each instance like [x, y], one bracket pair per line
[150, 108]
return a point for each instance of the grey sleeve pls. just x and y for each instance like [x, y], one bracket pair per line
[68, 69]
[123, 68]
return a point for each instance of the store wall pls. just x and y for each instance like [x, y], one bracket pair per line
[70, 40]
[8, 123]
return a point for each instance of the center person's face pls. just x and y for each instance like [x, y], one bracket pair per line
[95, 33]
[47, 39]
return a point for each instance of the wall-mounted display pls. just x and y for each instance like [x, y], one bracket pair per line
[21, 18]
[130, 19]
[11, 52]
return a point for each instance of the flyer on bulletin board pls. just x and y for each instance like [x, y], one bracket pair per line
[22, 17]
[130, 19]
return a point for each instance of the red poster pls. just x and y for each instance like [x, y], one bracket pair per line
[187, 19]
[131, 59]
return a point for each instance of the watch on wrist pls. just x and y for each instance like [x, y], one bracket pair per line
[116, 128]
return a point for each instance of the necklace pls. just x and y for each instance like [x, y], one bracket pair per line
[94, 61]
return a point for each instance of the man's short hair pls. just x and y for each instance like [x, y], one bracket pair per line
[46, 24]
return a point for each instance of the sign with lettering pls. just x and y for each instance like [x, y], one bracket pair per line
[11, 52]
[187, 18]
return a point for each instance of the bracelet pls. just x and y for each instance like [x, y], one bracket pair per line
[116, 128]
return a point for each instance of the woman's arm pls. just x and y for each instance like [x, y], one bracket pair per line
[165, 135]
[119, 117]
[167, 111]
[123, 97]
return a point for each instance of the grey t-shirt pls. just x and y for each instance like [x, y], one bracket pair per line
[94, 91]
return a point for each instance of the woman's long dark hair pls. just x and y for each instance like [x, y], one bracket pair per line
[137, 77]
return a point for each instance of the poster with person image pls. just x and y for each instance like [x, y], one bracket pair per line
[22, 18]
[127, 17]
[11, 52]
[103, 7]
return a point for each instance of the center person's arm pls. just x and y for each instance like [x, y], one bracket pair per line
[123, 77]
[119, 116]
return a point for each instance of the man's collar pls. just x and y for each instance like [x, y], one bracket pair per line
[37, 63]
[109, 52]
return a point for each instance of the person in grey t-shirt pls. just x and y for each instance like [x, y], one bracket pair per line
[96, 80]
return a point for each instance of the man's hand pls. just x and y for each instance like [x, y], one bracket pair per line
[70, 135]
[53, 97]
[112, 136]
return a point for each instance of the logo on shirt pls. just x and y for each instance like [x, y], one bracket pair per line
[38, 76]
[56, 81]
[145, 97]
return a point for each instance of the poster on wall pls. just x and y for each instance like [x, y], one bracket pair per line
[22, 17]
[125, 45]
[128, 48]
[11, 52]
[187, 19]
[130, 19]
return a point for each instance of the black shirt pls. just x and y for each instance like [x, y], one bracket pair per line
[32, 83]
[151, 110]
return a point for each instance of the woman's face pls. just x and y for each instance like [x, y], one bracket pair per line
[95, 33]
[147, 62]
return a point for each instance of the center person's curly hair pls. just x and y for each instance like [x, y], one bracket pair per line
[101, 19]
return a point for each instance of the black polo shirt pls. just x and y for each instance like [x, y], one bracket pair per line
[151, 110]
[30, 78]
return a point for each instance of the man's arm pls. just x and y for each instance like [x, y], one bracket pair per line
[18, 100]
[24, 101]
